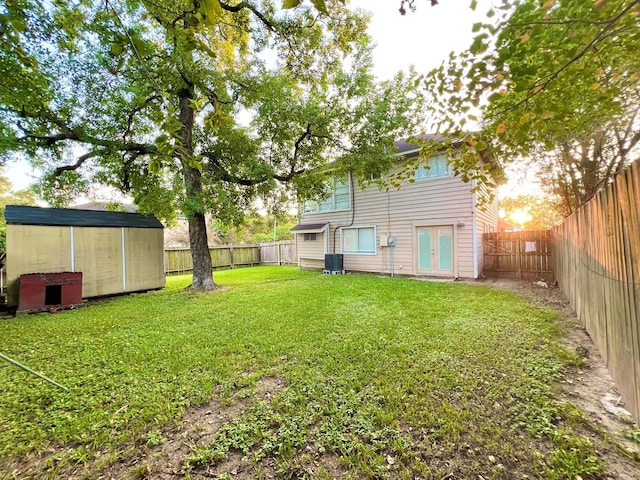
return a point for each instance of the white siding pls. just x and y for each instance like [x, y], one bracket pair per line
[310, 252]
[442, 201]
[486, 221]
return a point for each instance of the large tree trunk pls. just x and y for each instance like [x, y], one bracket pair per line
[202, 268]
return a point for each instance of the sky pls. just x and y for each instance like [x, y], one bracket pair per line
[423, 38]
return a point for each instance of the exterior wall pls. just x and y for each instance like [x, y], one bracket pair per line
[98, 255]
[97, 252]
[144, 258]
[444, 201]
[35, 249]
[311, 252]
[486, 222]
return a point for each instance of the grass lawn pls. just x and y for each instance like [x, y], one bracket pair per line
[380, 378]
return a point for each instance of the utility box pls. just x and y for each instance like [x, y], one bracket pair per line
[333, 264]
[47, 291]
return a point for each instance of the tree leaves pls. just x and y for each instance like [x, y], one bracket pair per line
[286, 4]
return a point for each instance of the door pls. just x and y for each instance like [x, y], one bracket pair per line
[435, 250]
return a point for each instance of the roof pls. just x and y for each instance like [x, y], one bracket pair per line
[21, 215]
[413, 143]
[310, 227]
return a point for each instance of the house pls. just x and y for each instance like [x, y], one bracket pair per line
[432, 226]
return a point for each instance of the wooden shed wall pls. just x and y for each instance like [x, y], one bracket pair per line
[144, 254]
[35, 249]
[97, 253]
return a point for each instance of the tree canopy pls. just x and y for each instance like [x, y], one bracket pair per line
[196, 105]
[552, 82]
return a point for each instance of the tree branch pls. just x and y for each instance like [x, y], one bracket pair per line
[66, 168]
[539, 86]
[224, 175]
[242, 5]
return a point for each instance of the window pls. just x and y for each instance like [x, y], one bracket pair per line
[359, 240]
[436, 166]
[338, 199]
[309, 237]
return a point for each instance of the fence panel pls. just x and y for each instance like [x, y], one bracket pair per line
[597, 264]
[519, 254]
[245, 255]
[178, 260]
[278, 253]
[288, 253]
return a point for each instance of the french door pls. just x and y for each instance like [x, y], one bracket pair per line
[435, 250]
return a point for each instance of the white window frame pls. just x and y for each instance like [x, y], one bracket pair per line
[358, 227]
[311, 207]
[421, 168]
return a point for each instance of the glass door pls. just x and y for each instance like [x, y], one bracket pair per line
[435, 250]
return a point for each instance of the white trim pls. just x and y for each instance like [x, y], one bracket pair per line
[375, 242]
[326, 241]
[124, 263]
[407, 152]
[73, 253]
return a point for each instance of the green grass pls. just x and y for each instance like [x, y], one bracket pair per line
[391, 378]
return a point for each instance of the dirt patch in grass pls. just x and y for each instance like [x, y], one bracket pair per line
[590, 387]
[198, 426]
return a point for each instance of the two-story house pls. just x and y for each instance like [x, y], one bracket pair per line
[432, 226]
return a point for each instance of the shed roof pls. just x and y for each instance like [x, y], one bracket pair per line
[22, 215]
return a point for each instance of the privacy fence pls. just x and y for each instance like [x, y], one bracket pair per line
[178, 260]
[597, 253]
[524, 255]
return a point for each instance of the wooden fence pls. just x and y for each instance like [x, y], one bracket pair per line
[598, 268]
[278, 253]
[178, 260]
[526, 255]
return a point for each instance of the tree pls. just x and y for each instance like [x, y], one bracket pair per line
[553, 82]
[146, 95]
[10, 197]
[257, 228]
[532, 212]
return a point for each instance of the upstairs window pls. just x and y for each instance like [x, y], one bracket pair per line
[338, 199]
[435, 167]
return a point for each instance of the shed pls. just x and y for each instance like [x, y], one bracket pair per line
[116, 252]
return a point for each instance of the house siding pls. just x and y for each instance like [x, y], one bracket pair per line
[441, 201]
[486, 221]
[311, 252]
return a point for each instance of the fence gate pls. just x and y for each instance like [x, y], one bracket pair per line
[525, 255]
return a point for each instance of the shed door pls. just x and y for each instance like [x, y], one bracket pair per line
[435, 250]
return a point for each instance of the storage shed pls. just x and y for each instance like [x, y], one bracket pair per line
[116, 252]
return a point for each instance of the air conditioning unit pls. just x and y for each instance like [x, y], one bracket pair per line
[333, 264]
